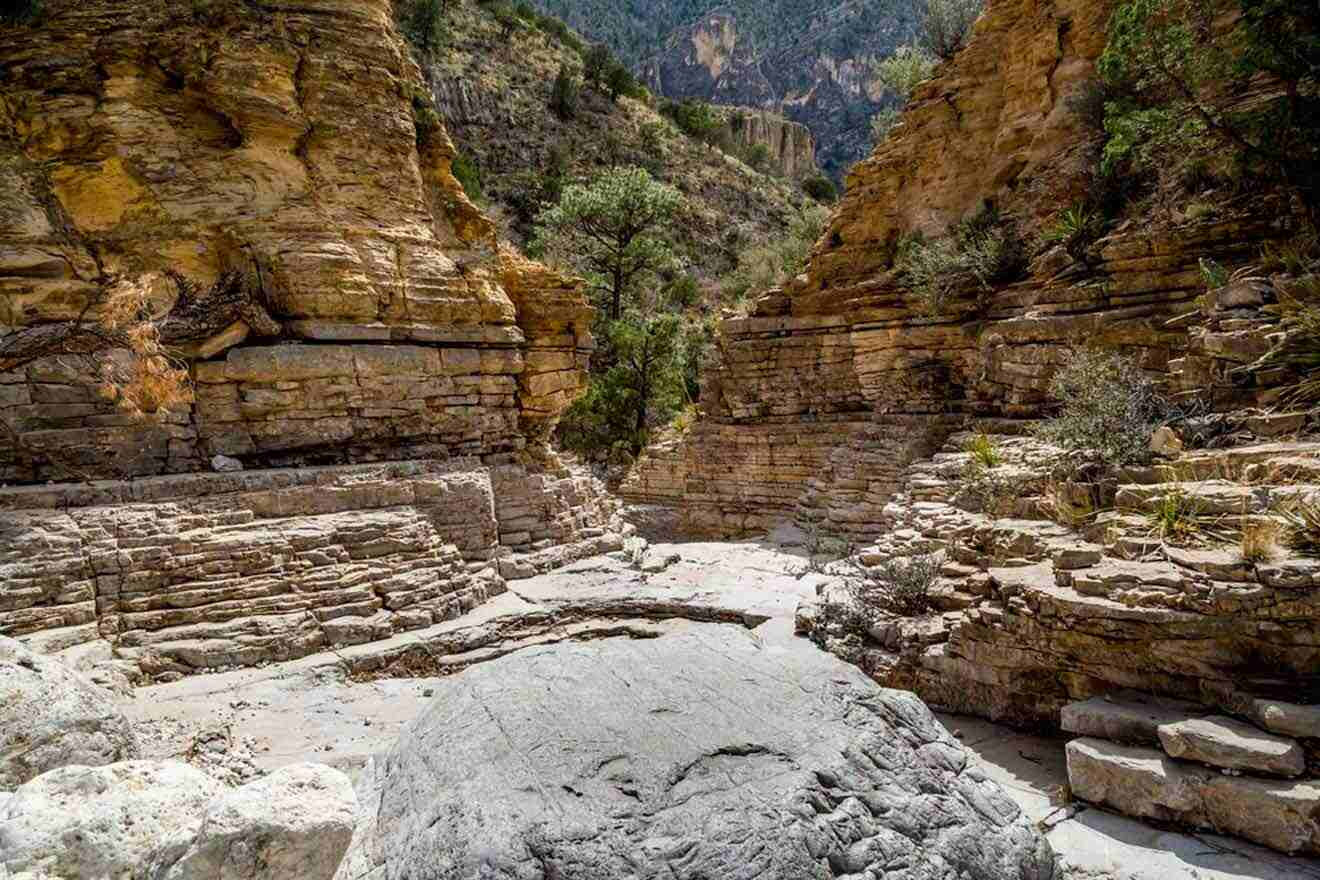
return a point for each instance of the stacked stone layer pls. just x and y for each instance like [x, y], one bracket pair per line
[192, 572]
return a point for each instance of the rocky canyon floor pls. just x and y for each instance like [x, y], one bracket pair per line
[343, 707]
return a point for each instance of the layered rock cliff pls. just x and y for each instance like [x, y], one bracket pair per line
[822, 396]
[271, 157]
[791, 148]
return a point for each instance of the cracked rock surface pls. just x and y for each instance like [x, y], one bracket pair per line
[696, 755]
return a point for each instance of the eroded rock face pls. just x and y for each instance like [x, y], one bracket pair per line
[101, 821]
[597, 761]
[52, 717]
[165, 820]
[279, 147]
[296, 822]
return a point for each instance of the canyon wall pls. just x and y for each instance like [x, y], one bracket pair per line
[335, 294]
[820, 397]
[792, 150]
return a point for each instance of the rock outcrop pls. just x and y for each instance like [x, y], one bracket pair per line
[819, 398]
[162, 820]
[296, 822]
[272, 156]
[197, 571]
[791, 148]
[812, 62]
[51, 717]
[814, 772]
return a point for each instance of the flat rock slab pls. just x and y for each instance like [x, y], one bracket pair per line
[1234, 745]
[1140, 782]
[1134, 718]
[696, 755]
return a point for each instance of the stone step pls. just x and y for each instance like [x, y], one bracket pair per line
[1260, 463]
[1147, 784]
[1125, 717]
[1289, 719]
[1210, 498]
[1234, 745]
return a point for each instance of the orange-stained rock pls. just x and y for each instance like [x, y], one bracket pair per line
[142, 138]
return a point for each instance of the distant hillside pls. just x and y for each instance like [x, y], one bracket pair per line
[809, 59]
[494, 97]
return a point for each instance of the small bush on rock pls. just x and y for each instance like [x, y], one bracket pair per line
[1108, 409]
[948, 25]
[895, 586]
[980, 252]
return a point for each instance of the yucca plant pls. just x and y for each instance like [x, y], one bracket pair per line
[1074, 224]
[1174, 518]
[1302, 524]
[1298, 345]
[984, 451]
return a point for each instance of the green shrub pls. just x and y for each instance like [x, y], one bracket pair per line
[425, 28]
[1214, 275]
[980, 252]
[19, 11]
[758, 156]
[821, 188]
[696, 119]
[1172, 61]
[984, 451]
[947, 25]
[564, 94]
[1108, 409]
[469, 175]
[425, 120]
[771, 265]
[906, 69]
[895, 586]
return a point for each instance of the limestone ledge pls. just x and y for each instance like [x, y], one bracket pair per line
[191, 145]
[189, 572]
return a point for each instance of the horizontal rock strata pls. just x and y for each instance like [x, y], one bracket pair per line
[196, 571]
[847, 343]
[266, 166]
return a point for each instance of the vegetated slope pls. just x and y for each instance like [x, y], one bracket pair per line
[809, 59]
[494, 96]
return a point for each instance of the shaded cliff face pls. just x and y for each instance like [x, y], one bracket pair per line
[792, 149]
[184, 142]
[809, 60]
[813, 65]
[823, 394]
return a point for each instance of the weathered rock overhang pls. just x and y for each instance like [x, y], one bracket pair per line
[189, 147]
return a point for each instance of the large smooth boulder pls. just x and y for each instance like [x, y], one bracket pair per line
[296, 822]
[101, 822]
[50, 716]
[697, 755]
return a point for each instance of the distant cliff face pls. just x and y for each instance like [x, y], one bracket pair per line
[790, 146]
[494, 97]
[189, 143]
[810, 60]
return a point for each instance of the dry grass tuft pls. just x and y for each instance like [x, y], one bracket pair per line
[1260, 540]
